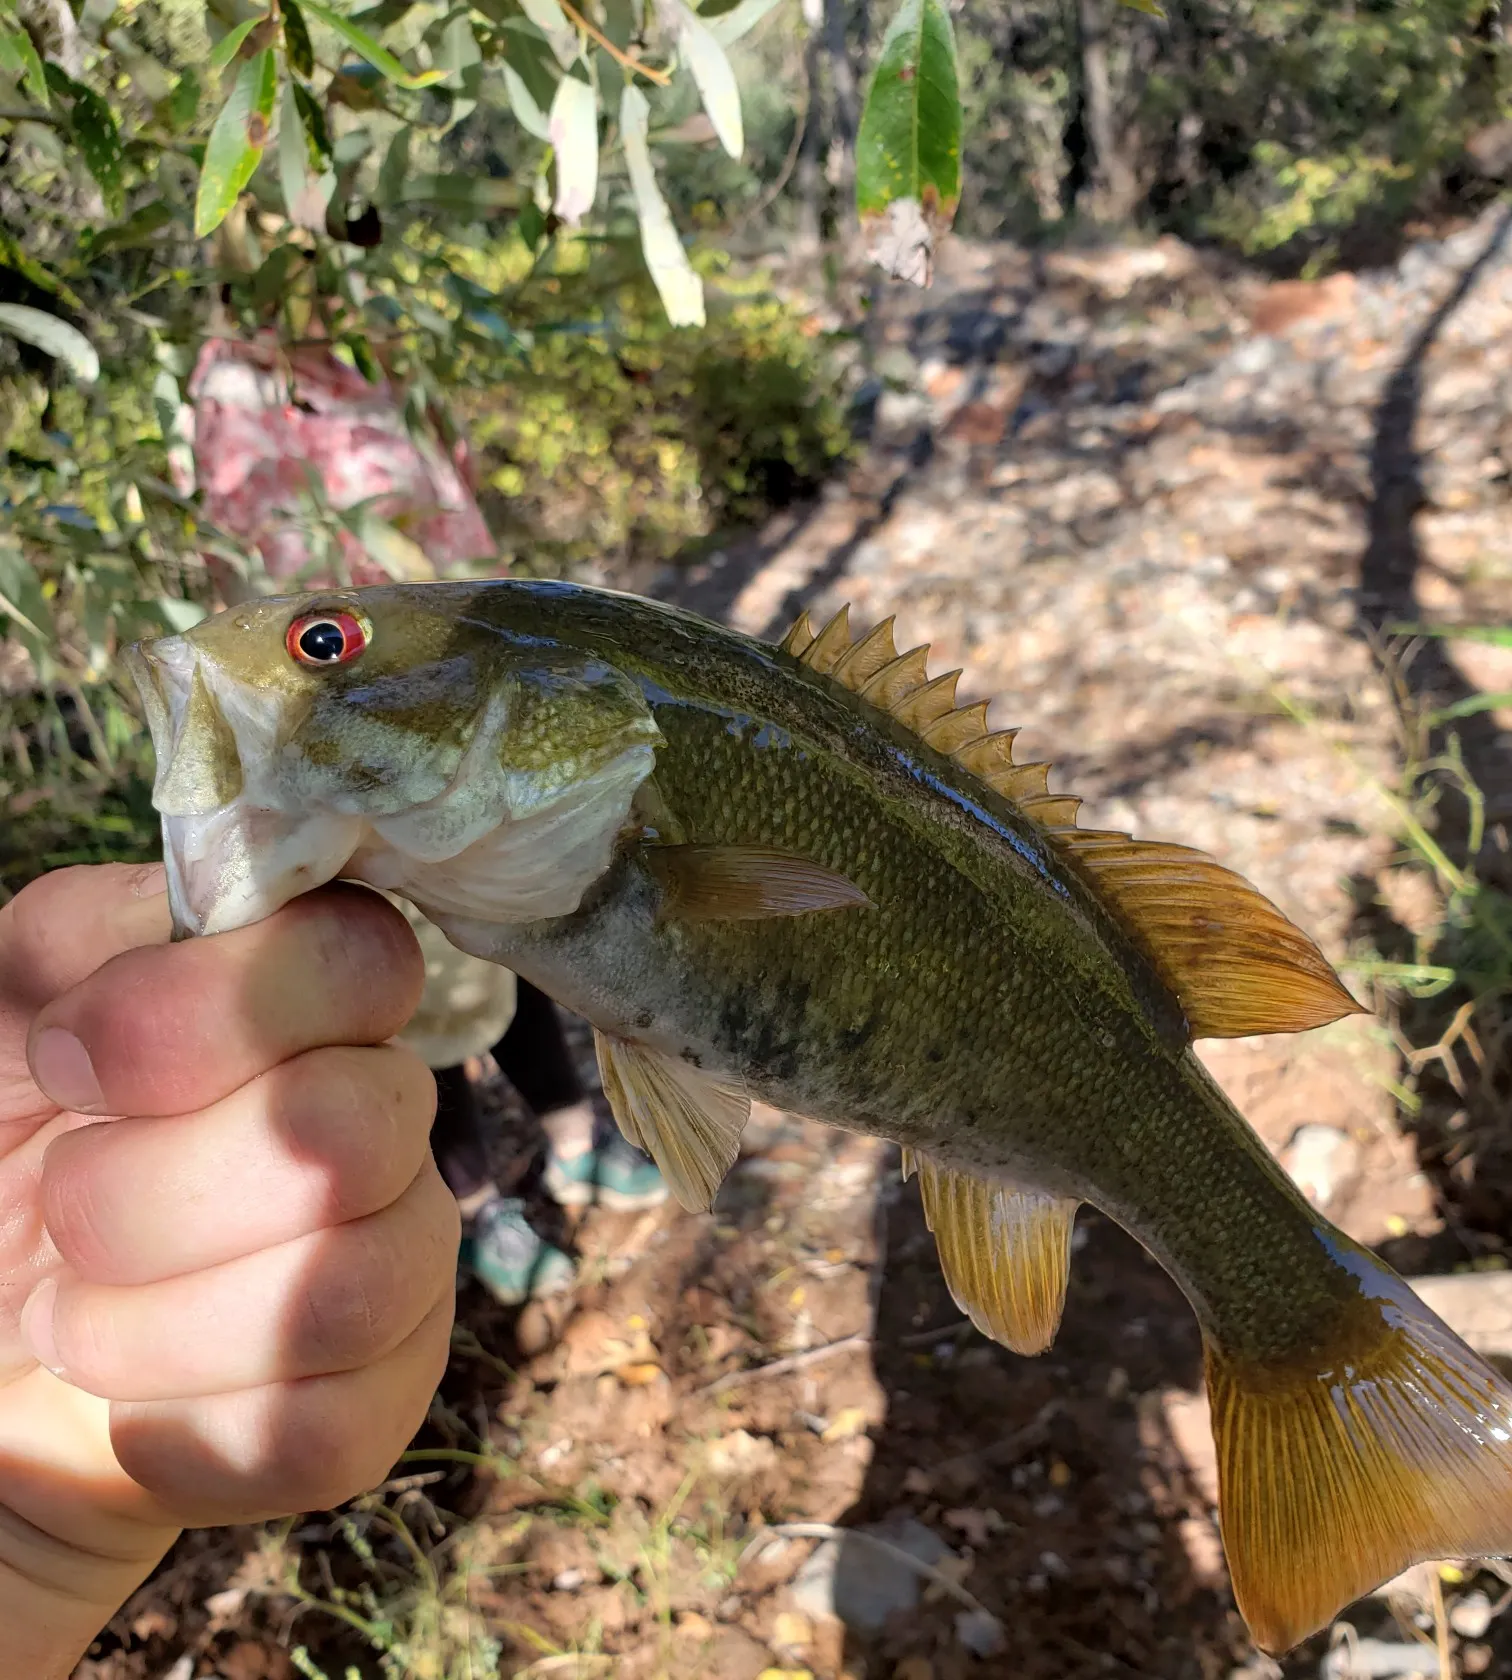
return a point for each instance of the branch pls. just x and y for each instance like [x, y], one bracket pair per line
[660, 77]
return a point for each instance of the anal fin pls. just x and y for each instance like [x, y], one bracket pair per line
[686, 1120]
[1005, 1251]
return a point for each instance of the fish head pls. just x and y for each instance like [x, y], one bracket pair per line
[391, 736]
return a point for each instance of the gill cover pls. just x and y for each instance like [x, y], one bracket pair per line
[473, 775]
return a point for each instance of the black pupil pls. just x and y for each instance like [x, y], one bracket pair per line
[322, 642]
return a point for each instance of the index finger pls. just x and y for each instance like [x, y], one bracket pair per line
[170, 1028]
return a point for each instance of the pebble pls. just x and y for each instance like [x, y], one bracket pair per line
[1323, 1161]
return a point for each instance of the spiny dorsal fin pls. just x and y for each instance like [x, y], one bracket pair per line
[1235, 963]
[1005, 1251]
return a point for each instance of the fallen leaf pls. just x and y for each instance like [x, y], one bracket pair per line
[848, 1421]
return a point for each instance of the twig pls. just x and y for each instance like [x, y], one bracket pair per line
[941, 1333]
[794, 1362]
[660, 77]
[829, 1531]
[1440, 1627]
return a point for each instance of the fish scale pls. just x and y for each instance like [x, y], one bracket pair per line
[805, 874]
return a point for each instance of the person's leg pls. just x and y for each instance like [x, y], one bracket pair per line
[499, 1248]
[535, 1057]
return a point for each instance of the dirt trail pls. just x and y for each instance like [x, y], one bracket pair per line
[1161, 539]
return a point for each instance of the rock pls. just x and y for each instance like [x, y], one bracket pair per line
[862, 1584]
[1475, 1305]
[1379, 1659]
[740, 1454]
[1471, 1615]
[1323, 1161]
[980, 1632]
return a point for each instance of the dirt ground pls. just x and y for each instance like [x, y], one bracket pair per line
[1175, 546]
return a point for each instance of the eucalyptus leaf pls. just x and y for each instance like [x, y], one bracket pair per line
[52, 336]
[552, 22]
[230, 43]
[236, 141]
[528, 114]
[715, 79]
[573, 128]
[740, 20]
[908, 149]
[94, 129]
[678, 286]
[19, 56]
[297, 39]
[378, 56]
[179, 616]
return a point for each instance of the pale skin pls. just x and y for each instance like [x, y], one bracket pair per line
[219, 1222]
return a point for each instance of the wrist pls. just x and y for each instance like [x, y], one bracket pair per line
[55, 1600]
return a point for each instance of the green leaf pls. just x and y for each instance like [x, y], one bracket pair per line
[183, 102]
[551, 20]
[1470, 706]
[138, 229]
[180, 616]
[394, 168]
[528, 114]
[481, 195]
[297, 39]
[716, 80]
[573, 125]
[729, 26]
[19, 56]
[679, 287]
[230, 44]
[54, 337]
[1147, 6]
[236, 141]
[312, 118]
[908, 149]
[94, 128]
[361, 42]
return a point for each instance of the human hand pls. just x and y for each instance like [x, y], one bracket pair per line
[233, 1299]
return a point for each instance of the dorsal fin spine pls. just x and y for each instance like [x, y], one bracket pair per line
[1235, 963]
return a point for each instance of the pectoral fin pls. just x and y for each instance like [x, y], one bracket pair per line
[688, 1122]
[745, 883]
[1005, 1251]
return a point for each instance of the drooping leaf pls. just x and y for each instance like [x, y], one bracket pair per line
[312, 119]
[479, 195]
[552, 22]
[528, 114]
[573, 127]
[94, 129]
[230, 44]
[52, 336]
[527, 54]
[908, 149]
[729, 26]
[716, 80]
[137, 230]
[297, 39]
[378, 56]
[394, 168]
[19, 56]
[457, 51]
[236, 141]
[679, 287]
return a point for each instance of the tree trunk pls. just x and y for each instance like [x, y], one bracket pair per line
[845, 105]
[809, 176]
[1110, 191]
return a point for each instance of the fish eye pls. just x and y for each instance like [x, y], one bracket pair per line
[326, 638]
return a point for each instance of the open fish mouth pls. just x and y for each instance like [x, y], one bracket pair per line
[231, 856]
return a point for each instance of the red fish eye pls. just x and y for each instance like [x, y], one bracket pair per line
[328, 638]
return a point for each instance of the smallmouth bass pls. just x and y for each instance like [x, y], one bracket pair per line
[803, 873]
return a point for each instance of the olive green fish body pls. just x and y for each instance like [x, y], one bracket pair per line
[802, 874]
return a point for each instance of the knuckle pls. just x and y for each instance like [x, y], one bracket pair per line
[354, 1311]
[87, 1336]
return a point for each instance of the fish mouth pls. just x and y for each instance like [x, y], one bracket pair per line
[231, 855]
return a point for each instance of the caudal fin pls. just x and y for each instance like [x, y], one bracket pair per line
[1338, 1471]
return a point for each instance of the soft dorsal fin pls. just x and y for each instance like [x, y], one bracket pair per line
[1235, 963]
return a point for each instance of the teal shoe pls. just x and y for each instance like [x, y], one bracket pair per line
[615, 1176]
[508, 1258]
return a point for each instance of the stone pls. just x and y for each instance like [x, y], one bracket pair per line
[1323, 1162]
[861, 1583]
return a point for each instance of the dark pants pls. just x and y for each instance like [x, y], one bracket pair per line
[534, 1058]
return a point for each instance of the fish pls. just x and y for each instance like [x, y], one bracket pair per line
[805, 873]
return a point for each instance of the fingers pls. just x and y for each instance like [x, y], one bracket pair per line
[172, 1028]
[300, 1446]
[334, 1135]
[331, 1301]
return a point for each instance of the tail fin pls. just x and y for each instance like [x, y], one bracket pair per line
[1340, 1470]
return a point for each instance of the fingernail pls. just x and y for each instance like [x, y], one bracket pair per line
[61, 1066]
[37, 1325]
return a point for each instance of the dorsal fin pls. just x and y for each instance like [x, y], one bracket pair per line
[1234, 962]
